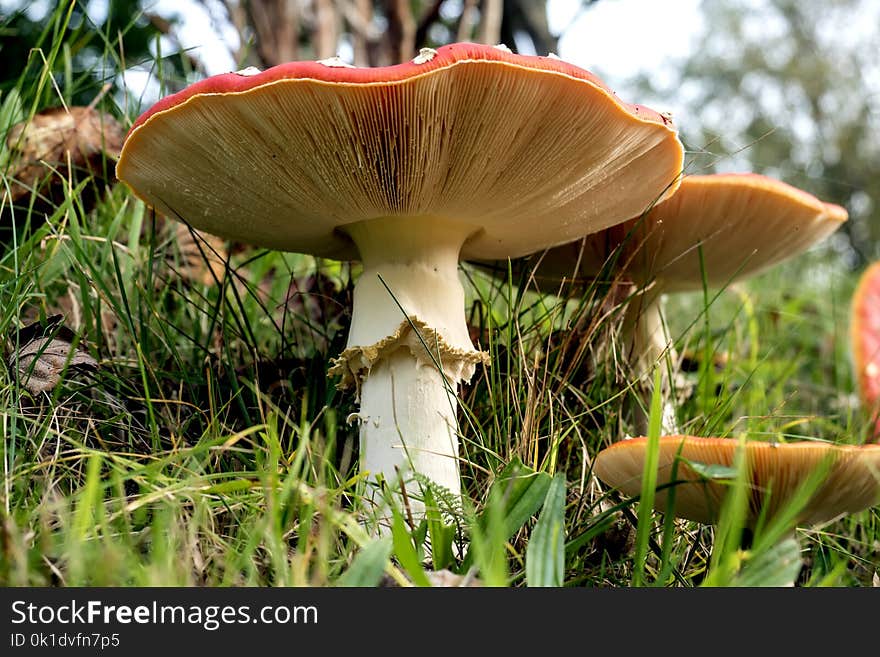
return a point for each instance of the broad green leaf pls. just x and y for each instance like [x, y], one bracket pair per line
[522, 490]
[441, 533]
[419, 534]
[778, 566]
[519, 491]
[545, 553]
[405, 550]
[488, 546]
[713, 470]
[368, 566]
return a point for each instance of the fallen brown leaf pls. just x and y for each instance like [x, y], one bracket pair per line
[59, 142]
[44, 352]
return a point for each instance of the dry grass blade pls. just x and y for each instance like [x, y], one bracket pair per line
[203, 256]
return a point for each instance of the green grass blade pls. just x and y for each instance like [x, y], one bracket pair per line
[731, 522]
[649, 483]
[405, 550]
[369, 565]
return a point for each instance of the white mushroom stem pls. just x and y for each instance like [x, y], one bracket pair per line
[408, 421]
[408, 348]
[417, 258]
[648, 345]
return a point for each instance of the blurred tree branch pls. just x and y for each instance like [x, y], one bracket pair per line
[285, 30]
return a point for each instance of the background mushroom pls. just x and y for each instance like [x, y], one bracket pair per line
[775, 473]
[57, 147]
[468, 151]
[865, 341]
[740, 224]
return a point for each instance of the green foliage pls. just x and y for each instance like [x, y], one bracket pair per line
[442, 534]
[777, 566]
[488, 540]
[369, 565]
[649, 480]
[522, 491]
[79, 53]
[406, 552]
[545, 554]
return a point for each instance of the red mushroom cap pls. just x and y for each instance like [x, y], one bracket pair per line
[865, 340]
[229, 83]
[528, 152]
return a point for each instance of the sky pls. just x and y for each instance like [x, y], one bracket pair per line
[605, 40]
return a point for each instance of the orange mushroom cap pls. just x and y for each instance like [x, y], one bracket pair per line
[744, 223]
[775, 472]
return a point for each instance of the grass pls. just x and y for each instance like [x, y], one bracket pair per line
[208, 448]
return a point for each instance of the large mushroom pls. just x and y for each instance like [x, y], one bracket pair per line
[865, 342]
[468, 151]
[726, 226]
[775, 474]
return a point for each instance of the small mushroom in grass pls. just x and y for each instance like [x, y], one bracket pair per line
[466, 152]
[865, 342]
[775, 474]
[728, 226]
